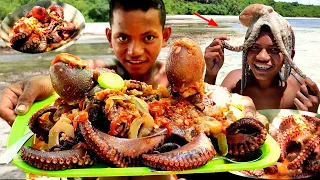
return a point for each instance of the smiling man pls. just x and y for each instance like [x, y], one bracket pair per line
[266, 75]
[137, 35]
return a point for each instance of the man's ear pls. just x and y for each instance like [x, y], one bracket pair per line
[292, 53]
[109, 34]
[166, 35]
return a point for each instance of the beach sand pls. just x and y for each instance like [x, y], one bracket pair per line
[307, 56]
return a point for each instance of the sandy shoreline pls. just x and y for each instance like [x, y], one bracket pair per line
[97, 30]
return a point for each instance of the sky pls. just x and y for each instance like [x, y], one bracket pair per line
[313, 2]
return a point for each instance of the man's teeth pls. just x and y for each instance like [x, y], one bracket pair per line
[262, 66]
[136, 62]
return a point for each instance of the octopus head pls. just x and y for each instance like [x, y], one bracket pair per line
[185, 66]
[70, 77]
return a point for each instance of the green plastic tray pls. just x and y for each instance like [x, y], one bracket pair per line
[270, 154]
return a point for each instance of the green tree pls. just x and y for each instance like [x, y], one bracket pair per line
[97, 10]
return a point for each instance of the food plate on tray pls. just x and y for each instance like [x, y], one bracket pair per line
[270, 153]
[275, 117]
[42, 26]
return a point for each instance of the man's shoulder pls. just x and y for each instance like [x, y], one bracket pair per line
[236, 72]
[234, 75]
[232, 79]
[295, 81]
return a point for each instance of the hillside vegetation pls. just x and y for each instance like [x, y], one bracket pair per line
[97, 10]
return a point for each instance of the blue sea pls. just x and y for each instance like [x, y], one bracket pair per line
[304, 23]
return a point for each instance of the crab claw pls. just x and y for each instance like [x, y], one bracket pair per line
[70, 77]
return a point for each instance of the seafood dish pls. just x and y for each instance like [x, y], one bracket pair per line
[42, 27]
[129, 123]
[297, 133]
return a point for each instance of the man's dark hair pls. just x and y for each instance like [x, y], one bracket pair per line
[143, 5]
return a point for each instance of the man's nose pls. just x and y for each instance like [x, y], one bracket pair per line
[135, 48]
[263, 55]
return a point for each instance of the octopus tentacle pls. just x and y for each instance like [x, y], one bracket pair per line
[272, 169]
[66, 26]
[167, 147]
[53, 24]
[31, 43]
[287, 123]
[56, 10]
[254, 173]
[283, 140]
[245, 136]
[18, 38]
[120, 152]
[312, 165]
[58, 160]
[243, 47]
[300, 174]
[43, 44]
[192, 155]
[313, 123]
[42, 126]
[54, 37]
[305, 152]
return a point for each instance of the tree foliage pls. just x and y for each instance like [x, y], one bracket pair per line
[98, 10]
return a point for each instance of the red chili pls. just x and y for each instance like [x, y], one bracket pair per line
[81, 117]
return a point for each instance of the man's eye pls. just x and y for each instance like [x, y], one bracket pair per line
[149, 38]
[275, 50]
[255, 47]
[122, 38]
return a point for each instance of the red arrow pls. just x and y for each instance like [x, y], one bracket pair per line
[211, 22]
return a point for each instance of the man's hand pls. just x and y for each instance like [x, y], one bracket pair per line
[214, 57]
[308, 97]
[17, 98]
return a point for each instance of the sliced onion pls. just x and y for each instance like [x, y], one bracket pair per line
[134, 127]
[116, 97]
[147, 126]
[141, 126]
[63, 125]
[140, 104]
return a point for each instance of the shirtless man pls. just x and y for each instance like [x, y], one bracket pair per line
[265, 66]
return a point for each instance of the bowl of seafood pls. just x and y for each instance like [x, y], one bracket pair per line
[297, 133]
[99, 124]
[42, 26]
